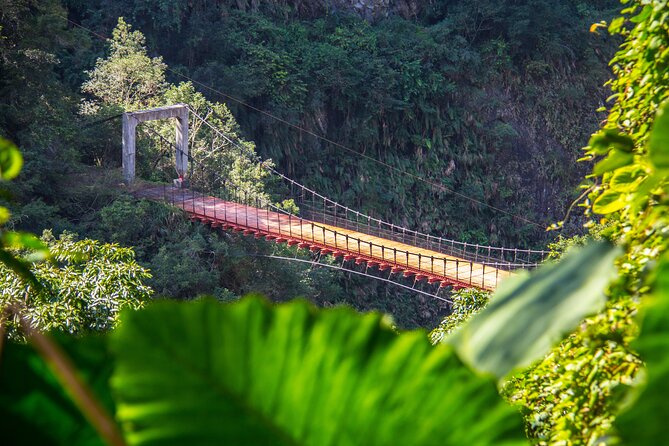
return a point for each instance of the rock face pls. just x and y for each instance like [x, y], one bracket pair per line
[377, 9]
[370, 10]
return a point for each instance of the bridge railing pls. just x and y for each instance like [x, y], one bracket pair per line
[317, 207]
[473, 252]
[248, 212]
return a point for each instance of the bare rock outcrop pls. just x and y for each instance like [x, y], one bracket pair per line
[371, 10]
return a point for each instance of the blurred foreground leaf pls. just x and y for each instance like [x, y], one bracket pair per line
[658, 146]
[645, 423]
[11, 160]
[251, 373]
[35, 409]
[529, 314]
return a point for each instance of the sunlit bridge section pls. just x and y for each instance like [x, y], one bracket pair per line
[377, 252]
[323, 226]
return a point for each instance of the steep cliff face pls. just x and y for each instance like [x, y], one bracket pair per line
[376, 9]
[370, 10]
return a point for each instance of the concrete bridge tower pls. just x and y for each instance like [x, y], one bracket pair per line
[132, 119]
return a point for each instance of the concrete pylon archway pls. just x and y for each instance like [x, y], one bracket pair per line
[130, 121]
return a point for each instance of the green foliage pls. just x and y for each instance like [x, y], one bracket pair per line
[650, 408]
[139, 223]
[292, 372]
[251, 373]
[644, 221]
[11, 161]
[526, 317]
[562, 245]
[191, 266]
[575, 391]
[128, 78]
[85, 284]
[34, 406]
[629, 187]
[658, 144]
[36, 106]
[466, 303]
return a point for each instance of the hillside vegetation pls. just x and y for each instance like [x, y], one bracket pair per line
[469, 116]
[490, 101]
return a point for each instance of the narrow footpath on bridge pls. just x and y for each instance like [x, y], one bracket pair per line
[377, 252]
[318, 223]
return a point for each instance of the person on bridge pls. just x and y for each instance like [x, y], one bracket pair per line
[180, 183]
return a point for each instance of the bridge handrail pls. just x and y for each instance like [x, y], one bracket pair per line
[463, 246]
[440, 241]
[478, 258]
[365, 248]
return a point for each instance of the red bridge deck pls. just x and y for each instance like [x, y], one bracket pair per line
[385, 254]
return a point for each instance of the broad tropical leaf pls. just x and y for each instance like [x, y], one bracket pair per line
[615, 160]
[644, 423]
[250, 373]
[529, 314]
[610, 201]
[35, 409]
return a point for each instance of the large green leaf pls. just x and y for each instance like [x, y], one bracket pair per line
[603, 141]
[610, 201]
[658, 146]
[11, 160]
[615, 160]
[626, 179]
[35, 409]
[529, 314]
[645, 422]
[250, 373]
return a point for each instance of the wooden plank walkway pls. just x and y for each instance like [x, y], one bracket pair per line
[385, 254]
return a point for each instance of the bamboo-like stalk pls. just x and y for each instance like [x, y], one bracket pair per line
[63, 368]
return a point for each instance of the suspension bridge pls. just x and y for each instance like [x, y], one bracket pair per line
[319, 224]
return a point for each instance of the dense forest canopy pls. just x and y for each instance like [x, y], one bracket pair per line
[485, 98]
[489, 100]
[456, 118]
